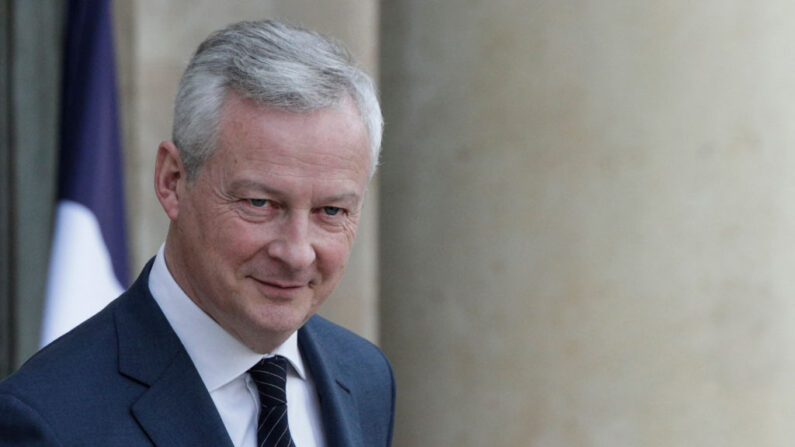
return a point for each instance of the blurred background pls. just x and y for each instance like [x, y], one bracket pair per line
[582, 232]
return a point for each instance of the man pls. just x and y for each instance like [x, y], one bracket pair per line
[276, 135]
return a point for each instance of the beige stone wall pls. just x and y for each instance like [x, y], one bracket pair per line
[155, 40]
[588, 222]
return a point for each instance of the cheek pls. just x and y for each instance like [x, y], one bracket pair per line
[230, 242]
[333, 254]
[240, 241]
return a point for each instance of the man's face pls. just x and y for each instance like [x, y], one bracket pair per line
[263, 232]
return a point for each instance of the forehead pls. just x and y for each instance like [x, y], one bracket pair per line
[329, 143]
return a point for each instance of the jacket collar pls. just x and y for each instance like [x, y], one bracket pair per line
[337, 405]
[176, 409]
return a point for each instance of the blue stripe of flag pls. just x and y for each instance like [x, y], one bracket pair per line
[90, 170]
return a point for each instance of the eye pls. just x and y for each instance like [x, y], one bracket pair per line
[259, 203]
[331, 210]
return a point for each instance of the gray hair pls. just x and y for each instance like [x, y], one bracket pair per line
[275, 65]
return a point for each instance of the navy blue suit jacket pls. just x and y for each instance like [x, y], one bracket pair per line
[123, 378]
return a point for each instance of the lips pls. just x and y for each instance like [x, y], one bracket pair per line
[281, 285]
[277, 284]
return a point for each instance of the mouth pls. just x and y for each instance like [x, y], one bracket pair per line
[278, 288]
[282, 285]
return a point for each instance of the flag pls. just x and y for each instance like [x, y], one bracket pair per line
[88, 262]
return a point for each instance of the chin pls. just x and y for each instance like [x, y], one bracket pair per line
[282, 318]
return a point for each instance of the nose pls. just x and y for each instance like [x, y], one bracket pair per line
[292, 245]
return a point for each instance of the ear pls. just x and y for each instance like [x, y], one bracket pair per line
[170, 178]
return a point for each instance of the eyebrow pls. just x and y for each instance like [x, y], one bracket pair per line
[348, 197]
[244, 184]
[239, 184]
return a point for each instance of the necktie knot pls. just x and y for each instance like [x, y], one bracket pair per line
[270, 377]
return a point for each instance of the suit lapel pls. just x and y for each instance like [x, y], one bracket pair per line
[339, 412]
[176, 409]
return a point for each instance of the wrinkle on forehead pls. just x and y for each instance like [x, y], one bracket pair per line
[294, 163]
[309, 143]
[241, 116]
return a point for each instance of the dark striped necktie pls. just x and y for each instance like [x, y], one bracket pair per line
[270, 376]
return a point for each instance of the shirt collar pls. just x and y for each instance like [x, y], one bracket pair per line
[218, 356]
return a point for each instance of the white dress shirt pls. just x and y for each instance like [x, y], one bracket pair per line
[223, 361]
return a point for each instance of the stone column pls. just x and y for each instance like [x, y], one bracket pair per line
[156, 41]
[587, 222]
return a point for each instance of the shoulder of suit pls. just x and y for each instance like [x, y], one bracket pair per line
[330, 332]
[71, 359]
[341, 342]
